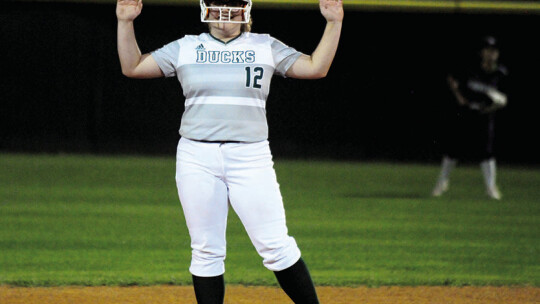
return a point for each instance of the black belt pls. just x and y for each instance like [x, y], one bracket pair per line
[221, 142]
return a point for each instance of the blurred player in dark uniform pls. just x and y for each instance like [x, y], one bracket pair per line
[479, 93]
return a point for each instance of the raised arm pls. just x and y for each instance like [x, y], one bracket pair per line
[133, 63]
[318, 64]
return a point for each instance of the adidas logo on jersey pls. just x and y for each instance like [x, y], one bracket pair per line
[204, 56]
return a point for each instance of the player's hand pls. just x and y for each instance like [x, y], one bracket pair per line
[332, 10]
[452, 83]
[128, 10]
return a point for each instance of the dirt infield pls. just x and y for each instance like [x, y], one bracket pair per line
[259, 295]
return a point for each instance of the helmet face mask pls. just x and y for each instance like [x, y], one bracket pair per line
[224, 11]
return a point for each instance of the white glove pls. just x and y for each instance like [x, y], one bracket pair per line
[499, 99]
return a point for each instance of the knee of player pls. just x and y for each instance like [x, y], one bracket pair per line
[281, 255]
[206, 253]
[206, 263]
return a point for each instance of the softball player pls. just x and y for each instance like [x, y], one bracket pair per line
[223, 155]
[479, 94]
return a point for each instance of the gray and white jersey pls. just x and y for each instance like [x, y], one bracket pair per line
[225, 84]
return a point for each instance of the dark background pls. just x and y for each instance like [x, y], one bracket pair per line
[385, 97]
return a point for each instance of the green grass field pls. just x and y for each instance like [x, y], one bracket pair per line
[89, 220]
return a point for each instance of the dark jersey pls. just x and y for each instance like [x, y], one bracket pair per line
[472, 129]
[475, 84]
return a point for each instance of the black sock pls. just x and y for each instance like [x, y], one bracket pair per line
[209, 290]
[297, 284]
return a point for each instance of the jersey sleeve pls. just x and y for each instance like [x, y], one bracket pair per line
[284, 56]
[167, 58]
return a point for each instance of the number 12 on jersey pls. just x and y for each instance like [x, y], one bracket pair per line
[257, 75]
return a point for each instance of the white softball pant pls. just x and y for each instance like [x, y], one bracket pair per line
[209, 176]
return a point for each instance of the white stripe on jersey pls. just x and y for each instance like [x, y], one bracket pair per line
[224, 100]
